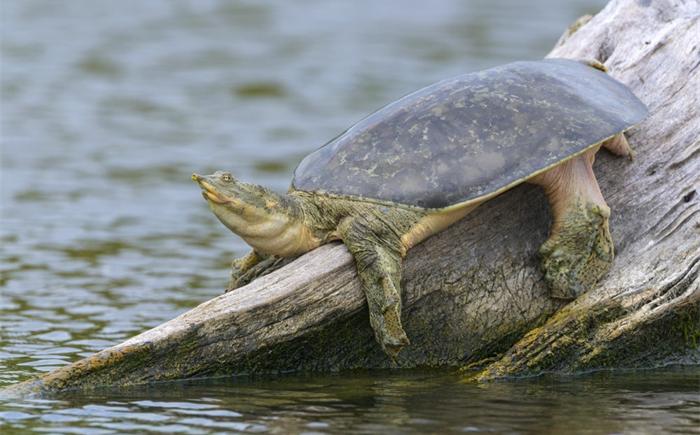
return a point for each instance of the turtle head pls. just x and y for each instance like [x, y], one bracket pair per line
[270, 223]
[222, 189]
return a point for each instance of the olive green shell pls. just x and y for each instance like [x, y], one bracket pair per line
[471, 135]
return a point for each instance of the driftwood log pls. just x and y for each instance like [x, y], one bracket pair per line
[473, 295]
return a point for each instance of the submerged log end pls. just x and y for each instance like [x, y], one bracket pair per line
[648, 328]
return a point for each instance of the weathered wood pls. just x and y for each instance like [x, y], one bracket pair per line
[647, 311]
[473, 291]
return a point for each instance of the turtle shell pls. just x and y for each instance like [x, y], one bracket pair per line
[472, 135]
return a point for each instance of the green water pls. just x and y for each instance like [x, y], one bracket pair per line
[106, 109]
[662, 401]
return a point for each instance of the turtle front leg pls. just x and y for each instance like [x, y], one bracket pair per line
[247, 268]
[377, 253]
[579, 250]
[240, 266]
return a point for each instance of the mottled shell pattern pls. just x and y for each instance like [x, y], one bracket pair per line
[469, 136]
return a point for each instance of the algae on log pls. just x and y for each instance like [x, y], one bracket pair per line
[474, 293]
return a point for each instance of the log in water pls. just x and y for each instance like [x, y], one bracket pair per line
[473, 295]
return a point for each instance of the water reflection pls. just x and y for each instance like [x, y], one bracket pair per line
[382, 402]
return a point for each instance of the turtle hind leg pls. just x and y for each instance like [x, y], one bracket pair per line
[579, 250]
[618, 145]
[377, 254]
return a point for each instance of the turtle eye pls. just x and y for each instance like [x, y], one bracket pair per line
[226, 177]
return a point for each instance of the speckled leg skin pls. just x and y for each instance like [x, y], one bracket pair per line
[378, 260]
[579, 250]
[246, 269]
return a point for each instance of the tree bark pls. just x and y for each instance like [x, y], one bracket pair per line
[473, 295]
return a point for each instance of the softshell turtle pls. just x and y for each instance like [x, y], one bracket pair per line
[420, 164]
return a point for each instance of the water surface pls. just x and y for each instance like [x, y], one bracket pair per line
[654, 402]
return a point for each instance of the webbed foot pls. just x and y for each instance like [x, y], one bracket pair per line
[246, 269]
[580, 252]
[387, 323]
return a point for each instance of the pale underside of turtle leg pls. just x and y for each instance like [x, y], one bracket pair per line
[253, 265]
[579, 250]
[618, 145]
[376, 246]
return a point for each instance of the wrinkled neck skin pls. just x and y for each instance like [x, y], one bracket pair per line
[270, 223]
[295, 223]
[292, 224]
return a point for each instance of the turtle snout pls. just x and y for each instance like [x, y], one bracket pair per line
[196, 177]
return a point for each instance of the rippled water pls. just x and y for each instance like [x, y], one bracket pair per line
[106, 109]
[381, 402]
